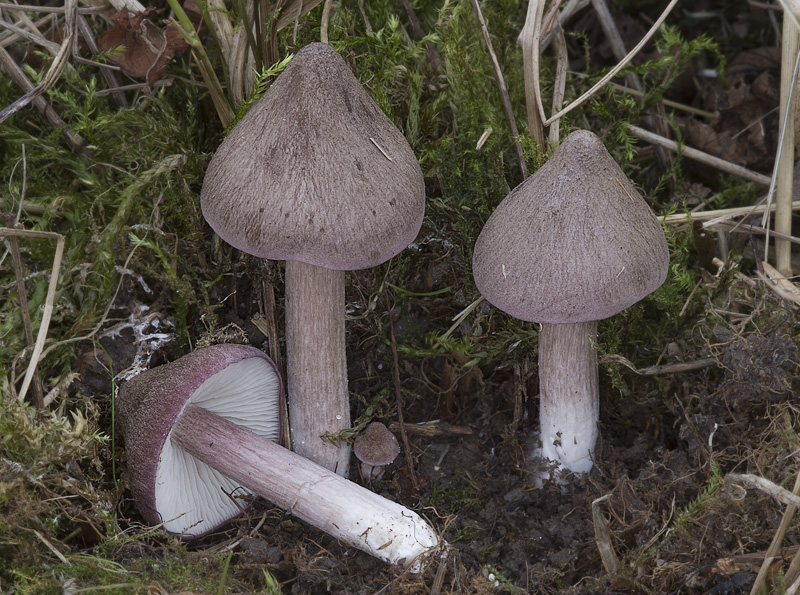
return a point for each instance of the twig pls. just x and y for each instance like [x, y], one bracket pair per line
[45, 22]
[52, 48]
[776, 288]
[51, 547]
[676, 368]
[433, 429]
[399, 399]
[771, 489]
[501, 83]
[780, 533]
[705, 158]
[614, 38]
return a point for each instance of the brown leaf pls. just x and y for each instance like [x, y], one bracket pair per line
[702, 136]
[147, 47]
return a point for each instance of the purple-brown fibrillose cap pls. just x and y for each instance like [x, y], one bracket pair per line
[376, 445]
[316, 172]
[237, 382]
[575, 242]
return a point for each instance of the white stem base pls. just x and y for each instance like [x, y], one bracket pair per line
[316, 366]
[353, 514]
[569, 406]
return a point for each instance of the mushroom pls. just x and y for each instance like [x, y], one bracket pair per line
[573, 244]
[199, 436]
[317, 175]
[375, 447]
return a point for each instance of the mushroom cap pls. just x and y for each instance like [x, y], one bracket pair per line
[574, 242]
[316, 172]
[237, 382]
[376, 445]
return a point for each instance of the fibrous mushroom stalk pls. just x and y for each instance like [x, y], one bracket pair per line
[569, 405]
[353, 514]
[316, 366]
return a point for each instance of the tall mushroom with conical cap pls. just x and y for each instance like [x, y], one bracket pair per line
[317, 175]
[573, 244]
[199, 435]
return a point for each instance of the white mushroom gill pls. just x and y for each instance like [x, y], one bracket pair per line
[245, 393]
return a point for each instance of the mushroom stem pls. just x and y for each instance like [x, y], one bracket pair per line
[316, 365]
[353, 514]
[569, 405]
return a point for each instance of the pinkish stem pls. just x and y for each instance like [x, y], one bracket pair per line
[316, 366]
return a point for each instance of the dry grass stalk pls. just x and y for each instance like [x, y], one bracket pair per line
[724, 225]
[12, 221]
[326, 17]
[790, 61]
[56, 68]
[564, 15]
[49, 299]
[501, 83]
[560, 83]
[529, 39]
[721, 214]
[775, 546]
[602, 537]
[129, 5]
[788, 294]
[223, 29]
[613, 72]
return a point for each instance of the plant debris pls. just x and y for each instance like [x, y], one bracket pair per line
[697, 382]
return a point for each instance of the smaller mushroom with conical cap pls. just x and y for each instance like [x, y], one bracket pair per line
[315, 174]
[573, 244]
[376, 447]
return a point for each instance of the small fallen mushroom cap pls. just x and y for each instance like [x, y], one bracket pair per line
[375, 447]
[189, 466]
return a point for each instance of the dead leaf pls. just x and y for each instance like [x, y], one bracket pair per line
[147, 48]
[745, 131]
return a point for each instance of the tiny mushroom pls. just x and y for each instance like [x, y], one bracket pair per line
[315, 174]
[573, 244]
[375, 447]
[199, 435]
